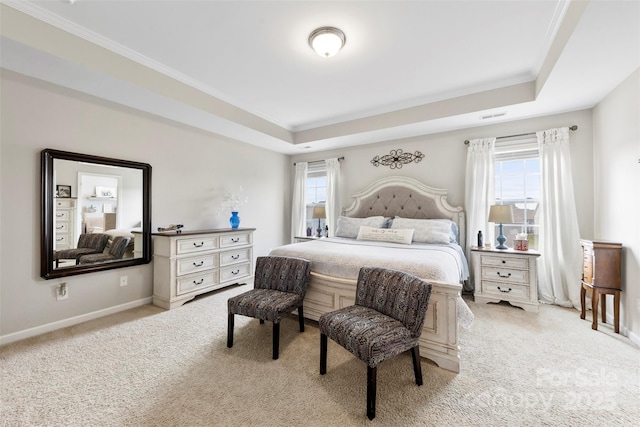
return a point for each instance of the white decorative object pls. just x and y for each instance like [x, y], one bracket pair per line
[191, 263]
[385, 235]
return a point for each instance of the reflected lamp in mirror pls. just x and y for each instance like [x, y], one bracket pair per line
[320, 214]
[501, 214]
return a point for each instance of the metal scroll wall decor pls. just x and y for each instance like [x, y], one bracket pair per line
[396, 158]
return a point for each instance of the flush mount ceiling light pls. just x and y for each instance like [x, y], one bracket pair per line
[327, 41]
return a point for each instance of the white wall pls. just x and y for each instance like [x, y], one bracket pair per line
[616, 123]
[446, 155]
[191, 171]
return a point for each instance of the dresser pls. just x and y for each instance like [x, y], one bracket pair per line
[64, 223]
[191, 263]
[506, 275]
[601, 275]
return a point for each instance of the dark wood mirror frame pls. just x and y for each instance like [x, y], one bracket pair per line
[48, 193]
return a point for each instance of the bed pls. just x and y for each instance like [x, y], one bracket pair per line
[401, 202]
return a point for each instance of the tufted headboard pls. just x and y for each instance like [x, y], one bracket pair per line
[408, 198]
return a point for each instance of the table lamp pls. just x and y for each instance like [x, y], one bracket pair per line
[319, 212]
[501, 214]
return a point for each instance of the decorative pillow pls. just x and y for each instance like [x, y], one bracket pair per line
[427, 230]
[395, 235]
[349, 227]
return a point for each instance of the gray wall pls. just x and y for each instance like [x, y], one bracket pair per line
[616, 123]
[191, 172]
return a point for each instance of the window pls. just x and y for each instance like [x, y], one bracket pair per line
[316, 196]
[517, 183]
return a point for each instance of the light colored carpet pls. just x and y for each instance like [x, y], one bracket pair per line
[150, 367]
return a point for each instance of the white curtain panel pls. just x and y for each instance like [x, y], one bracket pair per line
[299, 201]
[333, 197]
[479, 192]
[560, 261]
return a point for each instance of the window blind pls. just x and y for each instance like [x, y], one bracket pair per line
[516, 148]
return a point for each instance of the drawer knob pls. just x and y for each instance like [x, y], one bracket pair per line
[199, 264]
[504, 277]
[199, 282]
[59, 239]
[234, 272]
[198, 245]
[504, 262]
[503, 291]
[235, 240]
[235, 256]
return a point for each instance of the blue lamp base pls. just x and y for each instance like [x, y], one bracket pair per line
[501, 239]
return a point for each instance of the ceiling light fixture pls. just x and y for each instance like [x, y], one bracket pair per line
[327, 41]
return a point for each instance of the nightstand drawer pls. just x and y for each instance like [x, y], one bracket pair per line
[507, 262]
[506, 290]
[194, 264]
[505, 275]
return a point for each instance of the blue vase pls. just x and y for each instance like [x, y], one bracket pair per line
[234, 220]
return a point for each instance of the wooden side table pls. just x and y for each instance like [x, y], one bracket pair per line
[601, 275]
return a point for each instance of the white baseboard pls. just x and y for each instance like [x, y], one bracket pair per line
[49, 327]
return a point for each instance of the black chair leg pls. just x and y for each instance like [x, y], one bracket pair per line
[301, 319]
[230, 331]
[417, 368]
[276, 340]
[371, 392]
[323, 354]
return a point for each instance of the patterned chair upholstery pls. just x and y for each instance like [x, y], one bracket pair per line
[116, 251]
[91, 243]
[385, 321]
[280, 285]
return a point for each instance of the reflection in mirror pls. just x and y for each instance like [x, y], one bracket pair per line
[96, 213]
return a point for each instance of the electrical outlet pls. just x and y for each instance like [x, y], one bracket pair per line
[62, 292]
[123, 281]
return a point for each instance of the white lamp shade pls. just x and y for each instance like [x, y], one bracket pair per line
[501, 214]
[319, 212]
[327, 41]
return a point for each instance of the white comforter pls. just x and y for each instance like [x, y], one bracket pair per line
[340, 257]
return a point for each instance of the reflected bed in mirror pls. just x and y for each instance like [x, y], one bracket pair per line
[96, 213]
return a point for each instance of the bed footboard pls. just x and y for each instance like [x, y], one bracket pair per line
[439, 338]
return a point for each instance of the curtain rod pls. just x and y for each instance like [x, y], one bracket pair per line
[320, 161]
[574, 127]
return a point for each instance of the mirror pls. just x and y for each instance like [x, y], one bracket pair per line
[96, 213]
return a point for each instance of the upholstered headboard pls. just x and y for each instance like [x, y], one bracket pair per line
[407, 198]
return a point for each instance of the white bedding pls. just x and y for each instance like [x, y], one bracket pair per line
[341, 257]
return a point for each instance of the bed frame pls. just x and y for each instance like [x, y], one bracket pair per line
[408, 198]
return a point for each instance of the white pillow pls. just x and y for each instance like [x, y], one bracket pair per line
[349, 227]
[426, 230]
[385, 235]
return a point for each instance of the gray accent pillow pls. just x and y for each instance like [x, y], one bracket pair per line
[349, 227]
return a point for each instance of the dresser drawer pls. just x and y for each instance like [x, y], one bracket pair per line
[235, 272]
[235, 257]
[68, 203]
[506, 291]
[195, 264]
[62, 240]
[508, 262]
[62, 215]
[239, 239]
[195, 281]
[186, 246]
[62, 227]
[505, 275]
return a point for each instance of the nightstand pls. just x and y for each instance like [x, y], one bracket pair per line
[506, 275]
